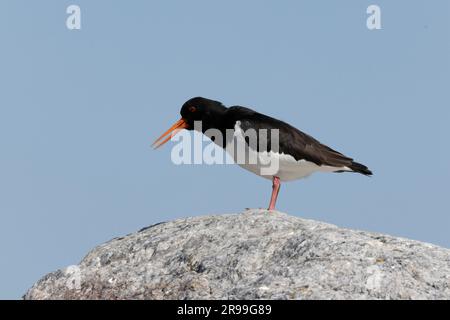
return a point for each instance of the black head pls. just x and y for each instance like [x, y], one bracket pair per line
[201, 109]
[209, 112]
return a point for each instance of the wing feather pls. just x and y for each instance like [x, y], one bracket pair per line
[291, 140]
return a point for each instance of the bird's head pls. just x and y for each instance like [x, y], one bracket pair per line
[196, 109]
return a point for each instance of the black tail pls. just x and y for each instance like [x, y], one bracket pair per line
[360, 168]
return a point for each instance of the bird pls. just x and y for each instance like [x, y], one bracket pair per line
[297, 154]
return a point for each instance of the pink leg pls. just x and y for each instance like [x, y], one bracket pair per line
[275, 189]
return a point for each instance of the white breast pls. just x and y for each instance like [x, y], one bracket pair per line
[284, 166]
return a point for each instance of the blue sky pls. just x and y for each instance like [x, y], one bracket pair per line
[79, 110]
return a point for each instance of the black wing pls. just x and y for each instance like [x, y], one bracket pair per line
[292, 141]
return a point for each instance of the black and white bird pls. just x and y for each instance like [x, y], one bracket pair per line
[297, 154]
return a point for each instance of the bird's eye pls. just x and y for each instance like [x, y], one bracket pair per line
[192, 109]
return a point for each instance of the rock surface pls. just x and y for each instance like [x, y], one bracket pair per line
[253, 255]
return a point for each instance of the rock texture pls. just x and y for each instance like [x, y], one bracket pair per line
[253, 255]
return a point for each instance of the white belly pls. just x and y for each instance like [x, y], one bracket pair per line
[281, 165]
[288, 167]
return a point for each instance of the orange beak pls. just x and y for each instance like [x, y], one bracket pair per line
[179, 125]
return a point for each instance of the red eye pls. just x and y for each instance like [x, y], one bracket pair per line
[192, 109]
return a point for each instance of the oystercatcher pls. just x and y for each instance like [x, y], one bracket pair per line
[297, 154]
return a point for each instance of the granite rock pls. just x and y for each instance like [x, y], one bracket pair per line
[253, 255]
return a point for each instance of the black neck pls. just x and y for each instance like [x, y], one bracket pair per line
[215, 118]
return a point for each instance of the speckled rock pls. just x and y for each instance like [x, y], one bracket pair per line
[253, 255]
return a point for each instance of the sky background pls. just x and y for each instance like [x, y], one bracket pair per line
[79, 110]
